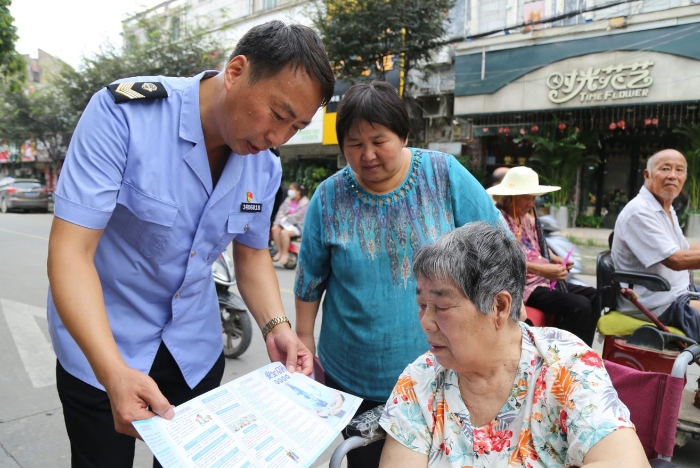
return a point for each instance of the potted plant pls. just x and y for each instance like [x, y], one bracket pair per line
[691, 151]
[559, 155]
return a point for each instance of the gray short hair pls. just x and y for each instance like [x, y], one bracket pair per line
[480, 259]
[655, 156]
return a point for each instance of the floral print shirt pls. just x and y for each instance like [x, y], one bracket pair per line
[561, 405]
[531, 248]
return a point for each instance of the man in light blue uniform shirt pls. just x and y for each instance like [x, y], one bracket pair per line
[162, 174]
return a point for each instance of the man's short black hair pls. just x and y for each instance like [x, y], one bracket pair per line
[377, 102]
[270, 47]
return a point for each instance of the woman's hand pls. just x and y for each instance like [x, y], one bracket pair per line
[557, 260]
[551, 271]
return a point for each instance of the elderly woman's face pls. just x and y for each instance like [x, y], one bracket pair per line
[457, 332]
[523, 204]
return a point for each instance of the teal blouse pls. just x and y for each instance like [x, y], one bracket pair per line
[358, 247]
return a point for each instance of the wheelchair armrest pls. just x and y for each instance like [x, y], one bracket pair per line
[366, 425]
[364, 429]
[650, 281]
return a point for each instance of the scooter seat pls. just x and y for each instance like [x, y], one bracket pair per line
[619, 324]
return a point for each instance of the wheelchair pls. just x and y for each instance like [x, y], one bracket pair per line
[647, 346]
[647, 367]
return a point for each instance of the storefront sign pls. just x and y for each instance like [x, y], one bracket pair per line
[621, 81]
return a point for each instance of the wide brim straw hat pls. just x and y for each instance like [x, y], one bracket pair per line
[521, 181]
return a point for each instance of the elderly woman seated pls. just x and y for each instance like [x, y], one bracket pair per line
[574, 307]
[492, 391]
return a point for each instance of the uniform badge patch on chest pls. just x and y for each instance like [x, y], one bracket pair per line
[251, 207]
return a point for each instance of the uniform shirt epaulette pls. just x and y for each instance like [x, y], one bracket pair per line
[125, 92]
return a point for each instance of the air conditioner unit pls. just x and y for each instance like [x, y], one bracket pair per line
[443, 55]
[436, 106]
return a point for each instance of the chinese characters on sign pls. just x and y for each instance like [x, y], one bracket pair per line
[621, 81]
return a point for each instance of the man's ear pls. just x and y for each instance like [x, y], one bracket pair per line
[501, 308]
[647, 174]
[235, 69]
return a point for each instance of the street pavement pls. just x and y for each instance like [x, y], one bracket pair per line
[32, 434]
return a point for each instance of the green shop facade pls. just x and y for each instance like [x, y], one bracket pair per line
[625, 91]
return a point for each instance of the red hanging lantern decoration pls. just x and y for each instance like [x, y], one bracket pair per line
[523, 131]
[485, 129]
[647, 121]
[535, 128]
[613, 126]
[621, 125]
[562, 126]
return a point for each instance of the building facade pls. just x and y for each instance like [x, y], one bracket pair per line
[627, 76]
[232, 19]
[318, 140]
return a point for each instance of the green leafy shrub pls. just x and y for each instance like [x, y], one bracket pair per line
[590, 221]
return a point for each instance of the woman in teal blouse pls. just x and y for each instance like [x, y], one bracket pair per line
[362, 228]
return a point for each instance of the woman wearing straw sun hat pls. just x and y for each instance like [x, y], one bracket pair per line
[574, 306]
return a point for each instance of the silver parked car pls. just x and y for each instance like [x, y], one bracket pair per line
[23, 194]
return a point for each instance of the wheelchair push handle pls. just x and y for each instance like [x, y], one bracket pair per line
[366, 425]
[364, 429]
[690, 354]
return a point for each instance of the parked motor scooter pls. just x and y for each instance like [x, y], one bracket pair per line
[293, 252]
[561, 246]
[237, 329]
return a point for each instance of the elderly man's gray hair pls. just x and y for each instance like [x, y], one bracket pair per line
[652, 160]
[480, 259]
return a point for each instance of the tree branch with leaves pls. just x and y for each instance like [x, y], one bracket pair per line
[362, 36]
[559, 154]
[12, 64]
[194, 49]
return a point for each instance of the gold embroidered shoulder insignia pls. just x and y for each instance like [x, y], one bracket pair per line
[125, 92]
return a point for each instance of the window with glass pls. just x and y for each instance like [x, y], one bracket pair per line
[175, 29]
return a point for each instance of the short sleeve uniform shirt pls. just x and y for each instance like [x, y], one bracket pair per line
[139, 171]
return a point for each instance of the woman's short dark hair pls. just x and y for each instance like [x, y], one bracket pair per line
[271, 47]
[377, 102]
